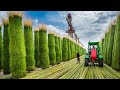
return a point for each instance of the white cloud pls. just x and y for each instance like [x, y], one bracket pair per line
[3, 14]
[89, 25]
[36, 20]
[58, 31]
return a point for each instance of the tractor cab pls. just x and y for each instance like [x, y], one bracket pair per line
[93, 55]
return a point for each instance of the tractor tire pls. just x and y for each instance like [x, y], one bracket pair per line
[86, 62]
[100, 63]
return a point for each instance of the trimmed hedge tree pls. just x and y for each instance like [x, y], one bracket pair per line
[29, 44]
[102, 46]
[36, 46]
[110, 44]
[105, 46]
[17, 45]
[6, 40]
[65, 50]
[51, 45]
[69, 49]
[43, 48]
[74, 50]
[1, 47]
[60, 44]
[116, 47]
[57, 50]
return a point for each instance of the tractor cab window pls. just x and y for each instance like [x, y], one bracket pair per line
[93, 47]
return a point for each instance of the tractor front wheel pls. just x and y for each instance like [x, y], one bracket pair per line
[101, 63]
[86, 62]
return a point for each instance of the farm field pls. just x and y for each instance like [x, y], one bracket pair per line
[31, 49]
[72, 70]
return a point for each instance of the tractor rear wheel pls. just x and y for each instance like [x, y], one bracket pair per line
[86, 62]
[101, 63]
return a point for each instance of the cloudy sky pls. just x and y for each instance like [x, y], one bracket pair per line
[89, 25]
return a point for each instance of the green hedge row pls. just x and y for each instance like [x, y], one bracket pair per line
[22, 52]
[110, 45]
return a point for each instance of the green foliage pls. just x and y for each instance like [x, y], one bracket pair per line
[102, 46]
[6, 55]
[116, 47]
[43, 49]
[29, 44]
[72, 50]
[73, 46]
[17, 47]
[69, 49]
[65, 50]
[60, 49]
[110, 44]
[1, 44]
[51, 45]
[105, 47]
[58, 60]
[60, 44]
[36, 45]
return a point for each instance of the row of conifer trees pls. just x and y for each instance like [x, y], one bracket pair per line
[20, 51]
[110, 45]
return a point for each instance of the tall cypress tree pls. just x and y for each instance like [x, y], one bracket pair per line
[36, 46]
[6, 55]
[29, 44]
[17, 45]
[1, 47]
[57, 49]
[65, 50]
[51, 45]
[43, 48]
[116, 47]
[69, 49]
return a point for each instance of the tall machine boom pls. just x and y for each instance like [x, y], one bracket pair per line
[71, 30]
